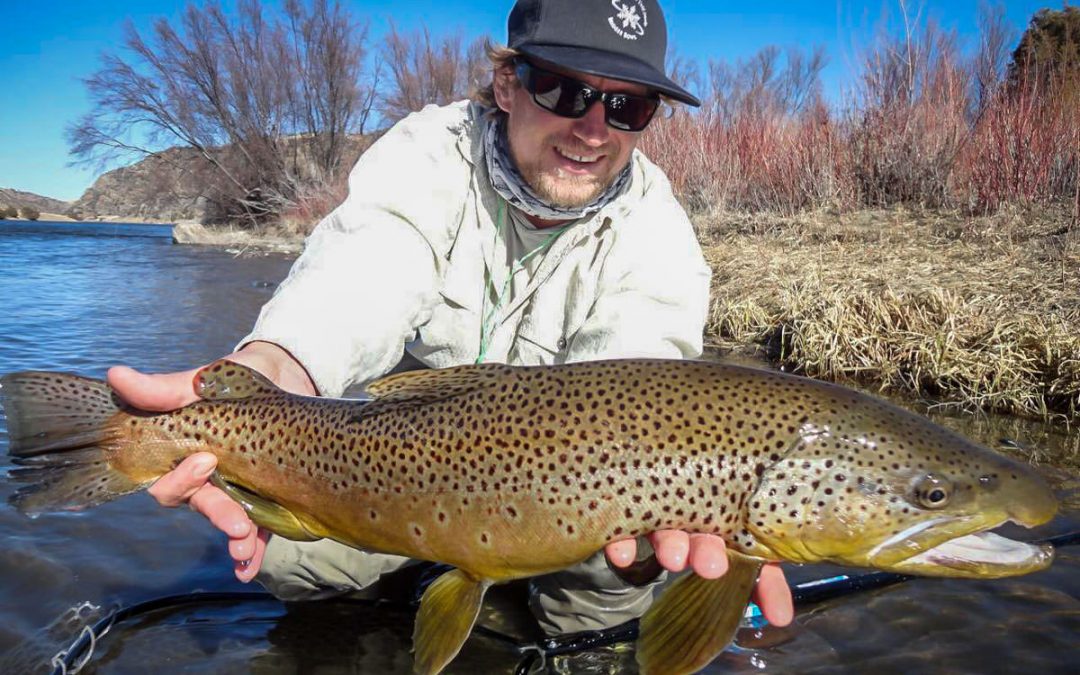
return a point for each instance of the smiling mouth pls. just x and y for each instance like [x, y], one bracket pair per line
[584, 160]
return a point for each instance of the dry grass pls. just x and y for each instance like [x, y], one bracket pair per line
[979, 313]
[241, 241]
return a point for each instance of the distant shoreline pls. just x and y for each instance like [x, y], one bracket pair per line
[54, 219]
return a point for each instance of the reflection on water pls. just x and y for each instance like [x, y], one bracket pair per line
[81, 303]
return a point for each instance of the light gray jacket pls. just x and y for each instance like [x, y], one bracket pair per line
[402, 264]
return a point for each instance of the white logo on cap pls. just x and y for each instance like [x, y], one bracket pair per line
[627, 22]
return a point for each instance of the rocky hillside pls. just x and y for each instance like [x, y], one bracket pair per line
[19, 199]
[163, 188]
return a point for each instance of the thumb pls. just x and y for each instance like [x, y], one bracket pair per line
[167, 391]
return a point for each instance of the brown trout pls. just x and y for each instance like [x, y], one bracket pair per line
[510, 472]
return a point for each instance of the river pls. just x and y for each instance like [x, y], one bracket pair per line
[82, 297]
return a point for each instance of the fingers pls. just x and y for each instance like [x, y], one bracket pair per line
[180, 484]
[166, 391]
[708, 555]
[773, 595]
[621, 553]
[246, 569]
[676, 550]
[224, 514]
[672, 549]
[246, 542]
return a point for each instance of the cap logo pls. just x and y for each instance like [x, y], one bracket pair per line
[628, 23]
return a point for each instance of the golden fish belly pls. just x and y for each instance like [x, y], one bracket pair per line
[485, 491]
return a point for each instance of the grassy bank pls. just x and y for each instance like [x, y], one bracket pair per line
[266, 238]
[976, 312]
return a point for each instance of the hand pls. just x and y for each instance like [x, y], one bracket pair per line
[187, 483]
[706, 554]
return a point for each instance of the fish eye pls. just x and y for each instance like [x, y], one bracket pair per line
[932, 492]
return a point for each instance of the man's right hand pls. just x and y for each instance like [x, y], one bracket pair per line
[187, 483]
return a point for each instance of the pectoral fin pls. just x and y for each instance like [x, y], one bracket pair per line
[447, 613]
[695, 619]
[265, 513]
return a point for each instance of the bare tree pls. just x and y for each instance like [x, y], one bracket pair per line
[992, 56]
[800, 82]
[268, 101]
[770, 81]
[426, 70]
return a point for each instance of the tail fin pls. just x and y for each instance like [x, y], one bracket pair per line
[59, 430]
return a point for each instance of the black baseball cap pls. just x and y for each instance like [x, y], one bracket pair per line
[620, 39]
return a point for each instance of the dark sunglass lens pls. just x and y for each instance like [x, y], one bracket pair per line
[630, 113]
[569, 99]
[577, 99]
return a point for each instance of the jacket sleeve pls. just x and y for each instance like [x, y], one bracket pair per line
[315, 570]
[653, 294]
[368, 275]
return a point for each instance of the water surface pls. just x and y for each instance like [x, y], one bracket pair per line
[87, 296]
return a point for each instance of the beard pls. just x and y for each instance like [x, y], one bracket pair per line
[561, 189]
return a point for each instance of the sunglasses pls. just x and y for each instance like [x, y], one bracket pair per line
[567, 97]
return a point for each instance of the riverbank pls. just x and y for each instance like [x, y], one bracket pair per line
[977, 313]
[242, 241]
[974, 312]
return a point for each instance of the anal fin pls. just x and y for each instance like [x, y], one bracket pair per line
[695, 619]
[265, 513]
[446, 616]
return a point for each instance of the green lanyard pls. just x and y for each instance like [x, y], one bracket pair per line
[487, 325]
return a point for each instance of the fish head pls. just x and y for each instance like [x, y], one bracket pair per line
[884, 488]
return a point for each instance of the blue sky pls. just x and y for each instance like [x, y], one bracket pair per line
[48, 46]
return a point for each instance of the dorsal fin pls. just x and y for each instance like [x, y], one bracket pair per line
[224, 380]
[425, 386]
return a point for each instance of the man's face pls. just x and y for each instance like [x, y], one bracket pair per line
[567, 162]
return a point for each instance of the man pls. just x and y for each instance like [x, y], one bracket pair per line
[522, 228]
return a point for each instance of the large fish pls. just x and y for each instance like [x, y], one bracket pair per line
[510, 472]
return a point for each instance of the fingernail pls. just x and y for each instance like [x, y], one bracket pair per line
[204, 466]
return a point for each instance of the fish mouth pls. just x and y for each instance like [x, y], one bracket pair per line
[981, 555]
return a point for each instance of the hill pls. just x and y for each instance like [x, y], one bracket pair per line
[20, 198]
[164, 187]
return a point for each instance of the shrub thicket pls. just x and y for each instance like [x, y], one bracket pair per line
[926, 126]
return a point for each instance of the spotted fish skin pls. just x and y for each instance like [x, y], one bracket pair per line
[506, 472]
[509, 472]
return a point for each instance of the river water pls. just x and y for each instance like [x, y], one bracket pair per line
[82, 297]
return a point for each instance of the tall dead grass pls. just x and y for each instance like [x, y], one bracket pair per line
[974, 312]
